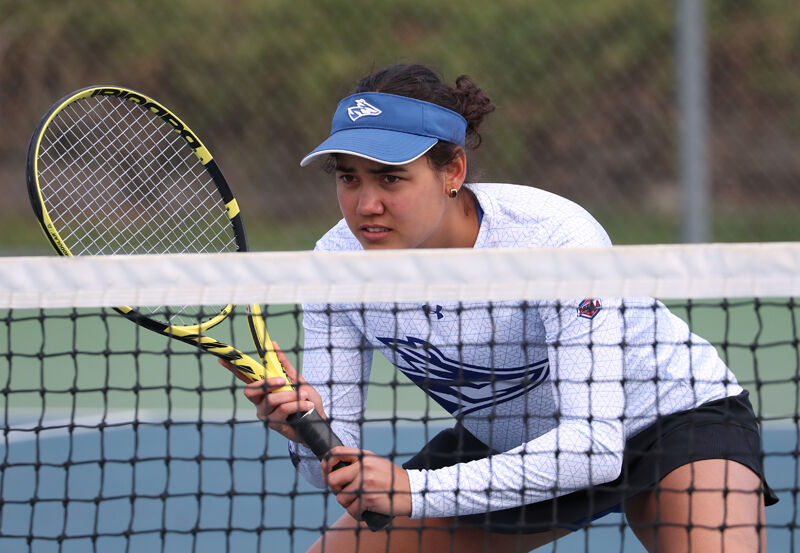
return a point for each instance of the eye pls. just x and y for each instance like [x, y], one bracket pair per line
[391, 179]
[346, 178]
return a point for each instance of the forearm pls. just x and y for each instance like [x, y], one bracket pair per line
[571, 457]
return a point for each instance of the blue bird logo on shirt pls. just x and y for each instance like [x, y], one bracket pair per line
[461, 387]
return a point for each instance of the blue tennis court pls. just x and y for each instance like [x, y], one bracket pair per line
[216, 485]
[117, 440]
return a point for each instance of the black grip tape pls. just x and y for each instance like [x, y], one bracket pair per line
[319, 437]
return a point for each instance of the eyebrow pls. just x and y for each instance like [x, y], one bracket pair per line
[379, 170]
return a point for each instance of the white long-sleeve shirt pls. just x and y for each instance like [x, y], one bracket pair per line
[555, 386]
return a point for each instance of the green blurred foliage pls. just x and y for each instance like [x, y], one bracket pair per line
[313, 51]
[584, 89]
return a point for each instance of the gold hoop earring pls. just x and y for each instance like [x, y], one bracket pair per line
[453, 192]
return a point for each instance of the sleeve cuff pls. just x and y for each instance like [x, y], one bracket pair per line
[293, 456]
[418, 484]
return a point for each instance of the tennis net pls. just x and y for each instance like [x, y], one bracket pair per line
[118, 439]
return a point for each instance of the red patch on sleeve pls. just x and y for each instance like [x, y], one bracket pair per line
[589, 308]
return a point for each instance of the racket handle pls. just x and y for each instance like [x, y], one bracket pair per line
[319, 437]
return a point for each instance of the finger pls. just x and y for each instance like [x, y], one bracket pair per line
[356, 509]
[350, 453]
[278, 405]
[345, 484]
[338, 455]
[255, 392]
[283, 404]
[288, 368]
[352, 499]
[268, 385]
[341, 475]
[350, 503]
[282, 412]
[235, 371]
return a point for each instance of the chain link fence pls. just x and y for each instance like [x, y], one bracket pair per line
[585, 93]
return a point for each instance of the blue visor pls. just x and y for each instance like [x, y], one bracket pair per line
[388, 128]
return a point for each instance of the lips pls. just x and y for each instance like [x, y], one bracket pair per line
[374, 233]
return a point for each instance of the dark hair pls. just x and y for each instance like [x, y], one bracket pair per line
[420, 82]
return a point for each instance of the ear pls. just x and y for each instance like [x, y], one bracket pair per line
[456, 171]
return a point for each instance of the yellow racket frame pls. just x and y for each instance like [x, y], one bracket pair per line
[250, 368]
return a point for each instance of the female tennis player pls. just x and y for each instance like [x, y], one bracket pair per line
[565, 410]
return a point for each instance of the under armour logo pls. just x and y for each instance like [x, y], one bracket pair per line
[428, 311]
[362, 109]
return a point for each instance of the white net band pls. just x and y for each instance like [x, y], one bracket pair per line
[670, 271]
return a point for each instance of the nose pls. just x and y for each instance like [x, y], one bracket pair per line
[370, 201]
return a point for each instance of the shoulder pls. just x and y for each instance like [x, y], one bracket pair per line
[338, 238]
[524, 216]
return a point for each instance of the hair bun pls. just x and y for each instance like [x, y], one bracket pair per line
[474, 106]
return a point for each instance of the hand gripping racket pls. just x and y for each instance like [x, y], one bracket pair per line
[112, 171]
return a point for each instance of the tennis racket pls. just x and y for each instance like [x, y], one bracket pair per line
[111, 171]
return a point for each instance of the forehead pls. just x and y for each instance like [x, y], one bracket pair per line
[352, 163]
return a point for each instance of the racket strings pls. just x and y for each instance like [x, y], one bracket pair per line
[88, 200]
[89, 140]
[151, 203]
[116, 179]
[129, 217]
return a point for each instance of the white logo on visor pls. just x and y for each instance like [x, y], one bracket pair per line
[362, 109]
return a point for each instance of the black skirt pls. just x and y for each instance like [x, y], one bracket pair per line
[722, 429]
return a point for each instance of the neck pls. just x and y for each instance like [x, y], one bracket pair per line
[463, 227]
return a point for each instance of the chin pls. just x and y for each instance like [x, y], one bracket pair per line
[380, 246]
